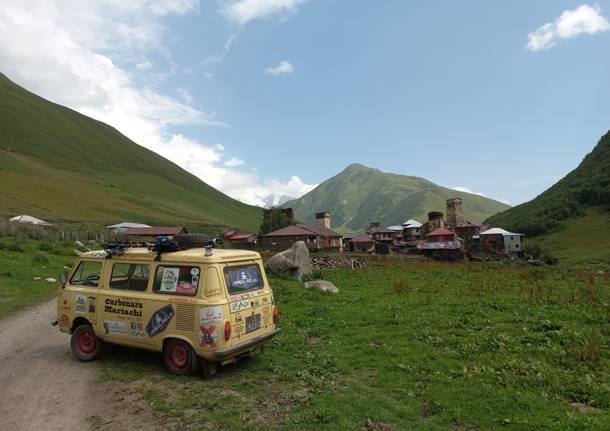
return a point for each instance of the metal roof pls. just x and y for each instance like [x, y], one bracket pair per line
[126, 225]
[29, 219]
[304, 230]
[362, 238]
[498, 231]
[155, 230]
[441, 232]
[412, 223]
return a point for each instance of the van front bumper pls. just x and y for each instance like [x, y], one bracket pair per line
[245, 348]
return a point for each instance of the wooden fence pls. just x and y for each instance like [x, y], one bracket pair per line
[26, 231]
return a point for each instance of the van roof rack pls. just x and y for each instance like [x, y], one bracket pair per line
[166, 243]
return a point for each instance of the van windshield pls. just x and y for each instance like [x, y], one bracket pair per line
[243, 278]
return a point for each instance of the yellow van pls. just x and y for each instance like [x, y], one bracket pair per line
[200, 307]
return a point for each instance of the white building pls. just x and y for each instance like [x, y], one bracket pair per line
[120, 227]
[411, 230]
[30, 220]
[512, 242]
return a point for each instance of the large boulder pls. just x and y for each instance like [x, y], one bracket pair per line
[323, 285]
[294, 262]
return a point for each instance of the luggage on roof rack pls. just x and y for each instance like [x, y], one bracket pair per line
[184, 242]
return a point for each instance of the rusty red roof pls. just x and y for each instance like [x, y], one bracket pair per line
[320, 230]
[292, 230]
[230, 233]
[155, 230]
[362, 238]
[441, 232]
[305, 230]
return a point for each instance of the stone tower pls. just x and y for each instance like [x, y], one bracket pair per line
[323, 218]
[455, 212]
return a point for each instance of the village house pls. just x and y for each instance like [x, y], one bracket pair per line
[411, 230]
[361, 243]
[122, 227]
[389, 234]
[29, 219]
[241, 240]
[317, 236]
[441, 243]
[501, 242]
[468, 233]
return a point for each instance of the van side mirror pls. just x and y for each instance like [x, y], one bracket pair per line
[63, 277]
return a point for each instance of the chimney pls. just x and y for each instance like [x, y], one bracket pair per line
[323, 218]
[455, 212]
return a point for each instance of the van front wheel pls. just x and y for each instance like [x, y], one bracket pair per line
[84, 343]
[180, 357]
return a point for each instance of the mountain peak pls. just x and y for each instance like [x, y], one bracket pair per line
[360, 194]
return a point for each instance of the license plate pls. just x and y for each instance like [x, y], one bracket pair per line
[253, 323]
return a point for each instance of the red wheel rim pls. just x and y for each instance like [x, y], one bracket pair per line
[179, 357]
[86, 342]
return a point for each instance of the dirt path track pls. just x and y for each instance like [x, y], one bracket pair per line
[42, 387]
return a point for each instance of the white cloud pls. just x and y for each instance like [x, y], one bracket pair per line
[144, 66]
[467, 190]
[284, 68]
[234, 161]
[572, 23]
[243, 11]
[63, 50]
[185, 95]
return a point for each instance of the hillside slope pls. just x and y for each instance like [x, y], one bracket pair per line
[60, 165]
[586, 186]
[360, 195]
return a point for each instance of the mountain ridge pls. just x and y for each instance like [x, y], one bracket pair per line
[359, 195]
[586, 186]
[59, 164]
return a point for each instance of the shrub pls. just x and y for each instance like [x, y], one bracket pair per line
[45, 246]
[40, 257]
[315, 275]
[14, 247]
[547, 257]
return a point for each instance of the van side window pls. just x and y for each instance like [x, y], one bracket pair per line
[87, 274]
[176, 280]
[243, 278]
[130, 276]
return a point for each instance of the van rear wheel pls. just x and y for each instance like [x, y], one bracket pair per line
[84, 343]
[180, 358]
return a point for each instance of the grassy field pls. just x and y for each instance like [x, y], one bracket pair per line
[582, 239]
[424, 346]
[20, 263]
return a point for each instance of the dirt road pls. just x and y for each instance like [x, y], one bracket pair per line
[42, 387]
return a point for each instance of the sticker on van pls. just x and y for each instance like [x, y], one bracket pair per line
[169, 282]
[211, 314]
[159, 321]
[208, 336]
[80, 304]
[241, 305]
[115, 327]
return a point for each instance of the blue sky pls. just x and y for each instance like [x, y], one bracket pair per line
[264, 99]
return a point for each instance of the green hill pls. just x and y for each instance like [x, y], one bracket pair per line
[586, 186]
[60, 165]
[360, 195]
[572, 217]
